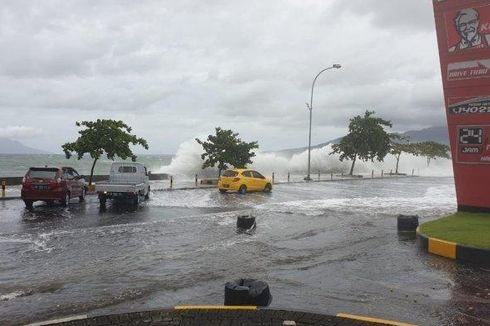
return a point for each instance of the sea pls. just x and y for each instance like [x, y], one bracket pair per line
[12, 165]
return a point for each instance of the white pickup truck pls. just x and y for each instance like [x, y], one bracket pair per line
[127, 181]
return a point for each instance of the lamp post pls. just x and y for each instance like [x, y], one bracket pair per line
[310, 107]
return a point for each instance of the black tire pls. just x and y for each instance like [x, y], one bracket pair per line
[242, 190]
[222, 191]
[28, 204]
[268, 188]
[102, 200]
[247, 292]
[136, 200]
[82, 195]
[245, 222]
[66, 199]
[147, 196]
[407, 223]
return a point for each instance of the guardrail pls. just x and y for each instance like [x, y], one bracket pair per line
[212, 182]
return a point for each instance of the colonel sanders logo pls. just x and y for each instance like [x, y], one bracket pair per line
[467, 24]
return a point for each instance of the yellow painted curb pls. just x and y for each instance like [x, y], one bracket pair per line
[442, 248]
[213, 307]
[372, 320]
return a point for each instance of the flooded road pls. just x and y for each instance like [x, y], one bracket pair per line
[322, 247]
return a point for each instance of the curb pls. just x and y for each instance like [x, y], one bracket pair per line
[453, 250]
[219, 315]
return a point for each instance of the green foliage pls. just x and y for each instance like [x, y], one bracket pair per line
[432, 150]
[103, 136]
[225, 148]
[366, 140]
[400, 144]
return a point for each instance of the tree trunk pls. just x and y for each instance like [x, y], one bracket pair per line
[428, 161]
[352, 166]
[92, 172]
[219, 173]
[397, 161]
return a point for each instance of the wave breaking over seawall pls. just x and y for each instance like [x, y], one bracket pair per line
[187, 162]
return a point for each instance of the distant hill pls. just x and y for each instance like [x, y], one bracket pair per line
[9, 146]
[438, 134]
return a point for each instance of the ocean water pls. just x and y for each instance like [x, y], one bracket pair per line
[187, 162]
[17, 165]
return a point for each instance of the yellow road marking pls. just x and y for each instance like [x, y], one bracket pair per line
[214, 307]
[442, 248]
[373, 320]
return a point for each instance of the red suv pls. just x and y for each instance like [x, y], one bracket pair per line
[52, 183]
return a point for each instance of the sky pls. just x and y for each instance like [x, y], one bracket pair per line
[175, 70]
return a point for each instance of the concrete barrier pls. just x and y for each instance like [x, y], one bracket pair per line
[16, 181]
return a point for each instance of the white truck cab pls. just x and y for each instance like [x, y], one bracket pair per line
[127, 181]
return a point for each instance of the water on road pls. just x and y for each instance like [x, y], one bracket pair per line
[323, 247]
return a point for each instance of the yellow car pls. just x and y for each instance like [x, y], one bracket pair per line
[243, 180]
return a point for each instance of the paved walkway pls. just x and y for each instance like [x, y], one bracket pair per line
[225, 316]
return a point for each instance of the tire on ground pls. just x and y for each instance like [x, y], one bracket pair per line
[102, 199]
[247, 292]
[245, 222]
[268, 188]
[242, 190]
[66, 199]
[407, 223]
[29, 204]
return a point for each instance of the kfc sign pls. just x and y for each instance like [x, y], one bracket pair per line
[463, 35]
[468, 28]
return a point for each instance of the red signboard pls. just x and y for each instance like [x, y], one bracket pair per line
[463, 34]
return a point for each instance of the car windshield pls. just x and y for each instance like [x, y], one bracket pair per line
[230, 173]
[43, 173]
[127, 169]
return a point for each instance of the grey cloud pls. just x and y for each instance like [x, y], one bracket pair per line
[403, 14]
[174, 70]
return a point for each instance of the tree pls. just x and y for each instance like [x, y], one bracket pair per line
[366, 140]
[432, 150]
[103, 136]
[400, 144]
[225, 148]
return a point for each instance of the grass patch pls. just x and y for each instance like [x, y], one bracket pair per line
[471, 229]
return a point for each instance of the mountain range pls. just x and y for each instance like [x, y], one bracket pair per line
[438, 134]
[9, 146]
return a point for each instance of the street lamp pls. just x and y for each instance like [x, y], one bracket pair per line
[310, 107]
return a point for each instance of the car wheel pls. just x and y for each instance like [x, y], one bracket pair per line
[82, 195]
[268, 188]
[136, 200]
[102, 199]
[242, 190]
[66, 200]
[29, 204]
[147, 196]
[222, 191]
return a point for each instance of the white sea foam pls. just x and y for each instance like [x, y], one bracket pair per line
[187, 162]
[435, 198]
[34, 243]
[10, 296]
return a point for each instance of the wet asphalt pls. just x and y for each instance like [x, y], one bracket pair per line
[322, 247]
